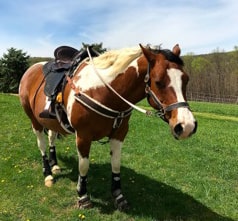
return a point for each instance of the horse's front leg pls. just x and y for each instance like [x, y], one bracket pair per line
[119, 200]
[83, 148]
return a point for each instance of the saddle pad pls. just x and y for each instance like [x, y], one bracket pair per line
[52, 78]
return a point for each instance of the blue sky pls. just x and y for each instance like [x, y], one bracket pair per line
[38, 27]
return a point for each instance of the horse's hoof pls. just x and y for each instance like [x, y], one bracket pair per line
[122, 205]
[49, 181]
[84, 202]
[120, 202]
[56, 169]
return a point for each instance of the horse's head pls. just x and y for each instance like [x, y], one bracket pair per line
[166, 84]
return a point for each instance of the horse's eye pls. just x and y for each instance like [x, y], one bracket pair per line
[160, 84]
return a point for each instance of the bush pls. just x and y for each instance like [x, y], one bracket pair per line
[13, 64]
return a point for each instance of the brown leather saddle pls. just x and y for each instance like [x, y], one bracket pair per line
[55, 72]
[65, 54]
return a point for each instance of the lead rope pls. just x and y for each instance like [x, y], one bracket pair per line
[147, 112]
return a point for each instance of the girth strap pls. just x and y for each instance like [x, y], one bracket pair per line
[100, 108]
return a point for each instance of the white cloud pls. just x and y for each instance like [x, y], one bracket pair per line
[198, 26]
[194, 28]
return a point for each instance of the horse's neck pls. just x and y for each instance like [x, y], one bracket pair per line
[140, 83]
[130, 85]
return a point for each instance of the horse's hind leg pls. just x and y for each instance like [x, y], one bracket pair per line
[119, 200]
[52, 152]
[49, 180]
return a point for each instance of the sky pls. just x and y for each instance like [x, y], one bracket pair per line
[38, 27]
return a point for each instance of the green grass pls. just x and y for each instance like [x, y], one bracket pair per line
[163, 179]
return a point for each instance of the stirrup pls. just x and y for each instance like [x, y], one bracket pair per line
[46, 112]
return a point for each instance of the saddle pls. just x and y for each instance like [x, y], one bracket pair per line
[55, 72]
[65, 54]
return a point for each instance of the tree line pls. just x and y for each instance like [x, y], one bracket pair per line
[212, 75]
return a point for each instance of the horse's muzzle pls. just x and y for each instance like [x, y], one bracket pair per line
[181, 131]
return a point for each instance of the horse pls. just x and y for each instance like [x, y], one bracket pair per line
[98, 98]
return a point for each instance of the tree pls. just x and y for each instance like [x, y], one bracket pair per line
[97, 47]
[188, 59]
[13, 64]
[233, 65]
[218, 60]
[200, 76]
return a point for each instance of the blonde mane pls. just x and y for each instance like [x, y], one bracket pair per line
[116, 61]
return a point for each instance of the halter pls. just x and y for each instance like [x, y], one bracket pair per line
[161, 109]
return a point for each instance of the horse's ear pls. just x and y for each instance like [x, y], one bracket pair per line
[176, 50]
[150, 56]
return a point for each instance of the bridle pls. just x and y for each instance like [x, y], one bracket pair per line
[160, 107]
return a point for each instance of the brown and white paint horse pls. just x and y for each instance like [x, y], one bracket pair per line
[134, 73]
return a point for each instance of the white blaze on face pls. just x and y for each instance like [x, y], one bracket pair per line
[175, 77]
[184, 116]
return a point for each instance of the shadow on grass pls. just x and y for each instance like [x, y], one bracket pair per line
[147, 197]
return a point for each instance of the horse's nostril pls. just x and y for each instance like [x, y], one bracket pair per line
[178, 129]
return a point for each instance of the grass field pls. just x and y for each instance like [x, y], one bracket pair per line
[163, 179]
